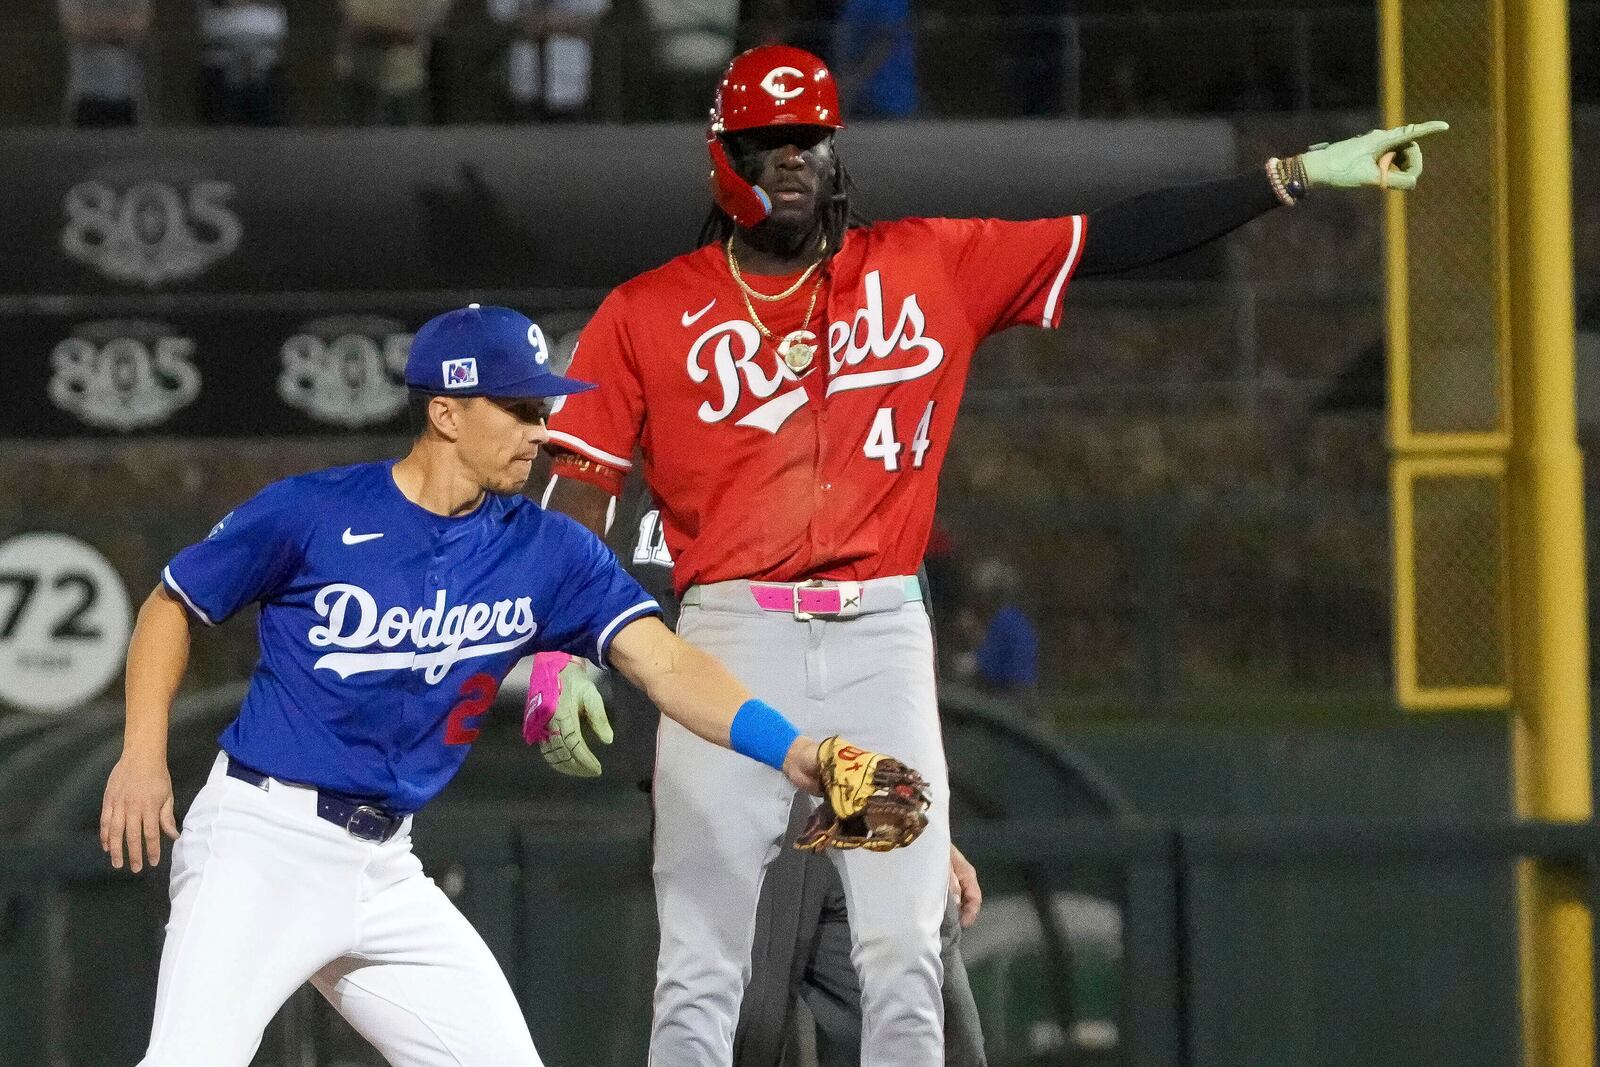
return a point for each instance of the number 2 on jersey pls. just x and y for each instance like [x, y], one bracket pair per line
[477, 694]
[882, 444]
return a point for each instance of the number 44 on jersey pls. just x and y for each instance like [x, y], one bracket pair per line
[884, 444]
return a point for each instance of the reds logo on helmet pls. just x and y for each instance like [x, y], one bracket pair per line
[777, 82]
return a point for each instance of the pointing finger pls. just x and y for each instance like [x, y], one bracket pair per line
[1402, 135]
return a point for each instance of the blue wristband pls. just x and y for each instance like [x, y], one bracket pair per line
[761, 732]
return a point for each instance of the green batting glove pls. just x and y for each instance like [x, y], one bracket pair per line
[1358, 161]
[566, 750]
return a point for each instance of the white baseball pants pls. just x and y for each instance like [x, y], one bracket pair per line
[266, 895]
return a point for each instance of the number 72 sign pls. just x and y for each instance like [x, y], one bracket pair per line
[64, 622]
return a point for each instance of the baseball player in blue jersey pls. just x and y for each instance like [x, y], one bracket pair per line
[394, 598]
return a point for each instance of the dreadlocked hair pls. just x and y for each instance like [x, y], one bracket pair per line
[837, 215]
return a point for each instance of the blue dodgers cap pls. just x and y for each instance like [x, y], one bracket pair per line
[485, 351]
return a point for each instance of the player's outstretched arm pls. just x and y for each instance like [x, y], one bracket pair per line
[137, 807]
[696, 691]
[1150, 227]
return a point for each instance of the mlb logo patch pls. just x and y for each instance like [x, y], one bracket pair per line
[460, 373]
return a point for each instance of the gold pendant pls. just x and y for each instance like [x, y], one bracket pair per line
[796, 353]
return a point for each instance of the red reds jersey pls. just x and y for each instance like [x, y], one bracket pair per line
[764, 474]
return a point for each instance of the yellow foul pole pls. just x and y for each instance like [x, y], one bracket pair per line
[1550, 727]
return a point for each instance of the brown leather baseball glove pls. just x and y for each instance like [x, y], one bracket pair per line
[871, 801]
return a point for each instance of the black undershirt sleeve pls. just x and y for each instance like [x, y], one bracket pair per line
[1163, 223]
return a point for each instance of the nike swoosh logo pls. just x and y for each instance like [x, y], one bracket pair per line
[690, 320]
[355, 538]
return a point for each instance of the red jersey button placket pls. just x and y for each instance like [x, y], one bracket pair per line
[824, 521]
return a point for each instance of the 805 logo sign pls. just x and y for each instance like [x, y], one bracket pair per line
[347, 370]
[151, 232]
[123, 375]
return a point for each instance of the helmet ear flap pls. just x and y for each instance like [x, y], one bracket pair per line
[748, 205]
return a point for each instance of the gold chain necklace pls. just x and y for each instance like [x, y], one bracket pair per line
[733, 268]
[797, 349]
[765, 331]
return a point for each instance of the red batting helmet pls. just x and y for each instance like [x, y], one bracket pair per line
[774, 85]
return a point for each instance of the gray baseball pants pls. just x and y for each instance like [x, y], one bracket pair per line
[721, 819]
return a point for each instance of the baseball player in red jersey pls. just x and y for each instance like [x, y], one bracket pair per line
[792, 387]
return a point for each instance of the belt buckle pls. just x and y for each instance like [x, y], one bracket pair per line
[369, 824]
[804, 616]
[849, 599]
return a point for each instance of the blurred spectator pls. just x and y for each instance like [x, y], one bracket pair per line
[693, 43]
[385, 59]
[874, 59]
[1006, 658]
[241, 73]
[549, 58]
[105, 61]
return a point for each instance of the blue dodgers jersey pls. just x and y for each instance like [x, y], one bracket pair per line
[386, 629]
